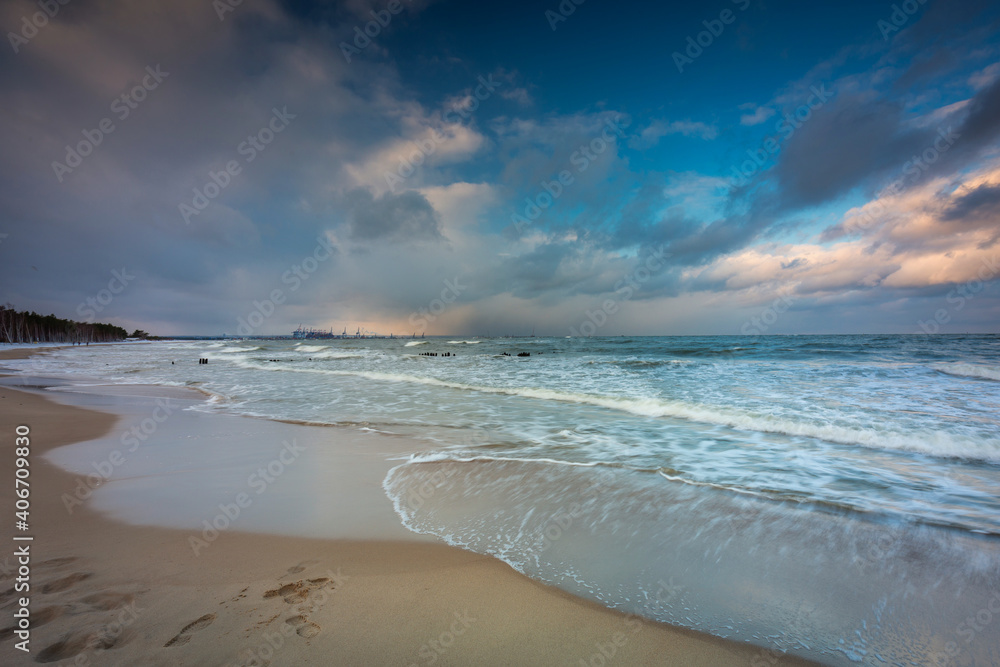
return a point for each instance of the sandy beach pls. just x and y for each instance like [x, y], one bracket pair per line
[106, 593]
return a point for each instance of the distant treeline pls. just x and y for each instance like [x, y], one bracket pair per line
[25, 327]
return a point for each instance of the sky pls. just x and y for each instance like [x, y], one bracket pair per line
[581, 167]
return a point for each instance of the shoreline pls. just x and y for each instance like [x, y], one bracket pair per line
[107, 592]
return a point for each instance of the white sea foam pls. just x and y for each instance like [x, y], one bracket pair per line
[970, 371]
[236, 349]
[934, 443]
[443, 456]
[301, 347]
[337, 355]
[825, 429]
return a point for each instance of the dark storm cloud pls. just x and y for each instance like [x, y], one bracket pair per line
[852, 138]
[224, 82]
[974, 132]
[546, 267]
[937, 62]
[554, 271]
[865, 139]
[406, 217]
[691, 241]
[716, 238]
[947, 22]
[982, 125]
[982, 202]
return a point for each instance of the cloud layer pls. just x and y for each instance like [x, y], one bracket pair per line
[209, 154]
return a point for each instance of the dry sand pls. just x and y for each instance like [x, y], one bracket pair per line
[107, 593]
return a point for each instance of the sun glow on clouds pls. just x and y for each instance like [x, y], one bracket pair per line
[909, 240]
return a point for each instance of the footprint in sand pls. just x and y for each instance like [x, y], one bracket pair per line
[303, 626]
[66, 582]
[242, 594]
[298, 591]
[184, 636]
[295, 569]
[70, 645]
[290, 593]
[108, 636]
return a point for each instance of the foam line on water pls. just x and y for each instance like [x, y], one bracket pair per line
[931, 443]
[977, 371]
[301, 347]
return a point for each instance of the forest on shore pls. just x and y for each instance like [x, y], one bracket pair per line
[30, 327]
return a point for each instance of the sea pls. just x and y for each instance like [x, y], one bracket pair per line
[834, 497]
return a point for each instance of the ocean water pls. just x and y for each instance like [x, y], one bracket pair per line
[837, 497]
